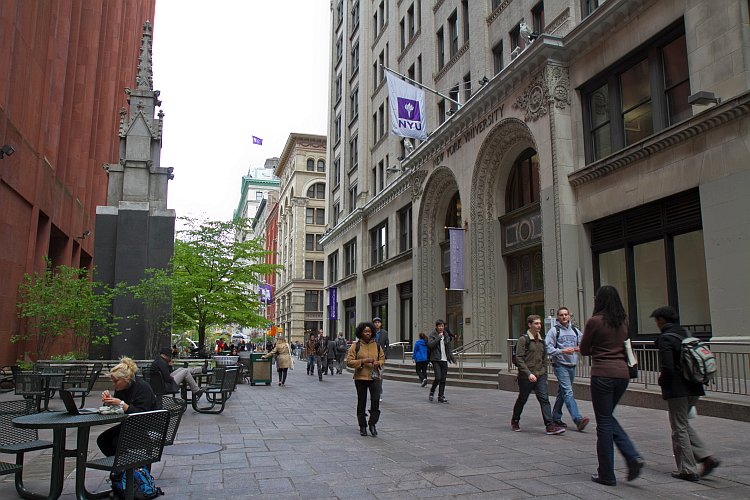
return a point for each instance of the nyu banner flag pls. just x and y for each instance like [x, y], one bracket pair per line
[266, 293]
[257, 140]
[407, 108]
[333, 310]
[456, 237]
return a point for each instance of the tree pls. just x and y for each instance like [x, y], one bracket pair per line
[215, 275]
[154, 292]
[60, 301]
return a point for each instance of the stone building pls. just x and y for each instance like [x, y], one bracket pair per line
[300, 224]
[594, 142]
[64, 67]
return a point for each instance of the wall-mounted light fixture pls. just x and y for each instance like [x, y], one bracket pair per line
[484, 81]
[85, 235]
[6, 150]
[703, 98]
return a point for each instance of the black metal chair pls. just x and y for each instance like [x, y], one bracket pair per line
[219, 391]
[52, 378]
[140, 444]
[29, 385]
[176, 408]
[81, 384]
[17, 441]
[6, 379]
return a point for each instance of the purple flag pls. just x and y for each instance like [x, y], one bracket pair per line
[266, 293]
[333, 309]
[456, 236]
[257, 140]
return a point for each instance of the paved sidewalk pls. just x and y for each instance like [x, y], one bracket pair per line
[302, 441]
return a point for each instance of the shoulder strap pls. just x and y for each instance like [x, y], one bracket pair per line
[557, 337]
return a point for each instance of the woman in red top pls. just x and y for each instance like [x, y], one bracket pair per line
[604, 340]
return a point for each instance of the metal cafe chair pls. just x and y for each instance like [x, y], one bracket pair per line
[81, 380]
[140, 444]
[18, 441]
[219, 392]
[30, 385]
[176, 408]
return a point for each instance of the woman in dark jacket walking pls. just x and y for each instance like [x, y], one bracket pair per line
[604, 340]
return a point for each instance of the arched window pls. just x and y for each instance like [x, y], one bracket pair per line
[317, 191]
[523, 184]
[310, 165]
[321, 166]
[453, 214]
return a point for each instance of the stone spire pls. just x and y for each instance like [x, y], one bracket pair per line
[144, 80]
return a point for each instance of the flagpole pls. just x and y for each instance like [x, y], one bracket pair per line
[428, 89]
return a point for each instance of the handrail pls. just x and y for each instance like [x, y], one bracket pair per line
[460, 351]
[732, 365]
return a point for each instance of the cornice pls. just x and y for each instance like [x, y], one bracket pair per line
[702, 122]
[410, 44]
[440, 74]
[498, 10]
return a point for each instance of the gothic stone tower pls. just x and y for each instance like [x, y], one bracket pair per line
[135, 230]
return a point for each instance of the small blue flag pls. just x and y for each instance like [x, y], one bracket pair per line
[257, 140]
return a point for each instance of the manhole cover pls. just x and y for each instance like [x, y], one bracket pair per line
[192, 449]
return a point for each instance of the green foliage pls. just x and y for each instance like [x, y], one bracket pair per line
[61, 301]
[215, 275]
[69, 356]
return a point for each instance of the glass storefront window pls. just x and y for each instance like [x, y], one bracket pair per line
[650, 283]
[692, 284]
[613, 271]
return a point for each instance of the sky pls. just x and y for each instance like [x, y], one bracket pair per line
[229, 70]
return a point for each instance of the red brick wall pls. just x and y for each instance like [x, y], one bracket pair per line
[64, 65]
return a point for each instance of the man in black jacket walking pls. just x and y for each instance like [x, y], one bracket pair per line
[681, 395]
[439, 347]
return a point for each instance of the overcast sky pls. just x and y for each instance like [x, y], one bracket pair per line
[228, 70]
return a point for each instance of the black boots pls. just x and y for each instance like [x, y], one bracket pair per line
[373, 430]
[362, 431]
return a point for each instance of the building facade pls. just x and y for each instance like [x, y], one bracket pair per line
[66, 65]
[584, 149]
[300, 225]
[255, 188]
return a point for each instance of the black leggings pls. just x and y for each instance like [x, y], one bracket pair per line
[422, 370]
[107, 441]
[363, 386]
[282, 374]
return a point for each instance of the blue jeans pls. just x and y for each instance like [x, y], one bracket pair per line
[565, 377]
[540, 389]
[605, 393]
[311, 364]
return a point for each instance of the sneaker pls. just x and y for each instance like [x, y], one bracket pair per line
[515, 425]
[709, 464]
[634, 468]
[561, 424]
[442, 400]
[605, 482]
[686, 476]
[432, 396]
[424, 382]
[554, 429]
[581, 424]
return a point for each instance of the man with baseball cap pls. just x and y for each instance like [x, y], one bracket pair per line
[381, 337]
[439, 347]
[162, 367]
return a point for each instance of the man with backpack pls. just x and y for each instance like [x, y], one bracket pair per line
[341, 348]
[681, 395]
[321, 354]
[562, 343]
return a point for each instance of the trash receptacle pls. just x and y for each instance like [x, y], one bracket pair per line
[246, 361]
[261, 369]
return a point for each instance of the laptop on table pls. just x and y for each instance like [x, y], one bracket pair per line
[72, 408]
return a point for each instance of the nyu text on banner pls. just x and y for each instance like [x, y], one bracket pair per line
[257, 140]
[456, 237]
[407, 108]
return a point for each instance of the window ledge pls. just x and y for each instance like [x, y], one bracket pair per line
[713, 117]
[388, 263]
[440, 74]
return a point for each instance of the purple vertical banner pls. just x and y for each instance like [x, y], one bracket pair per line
[333, 308]
[266, 293]
[456, 237]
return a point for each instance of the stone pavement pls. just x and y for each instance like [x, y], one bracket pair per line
[302, 441]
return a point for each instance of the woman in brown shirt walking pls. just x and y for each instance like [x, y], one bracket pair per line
[366, 357]
[604, 340]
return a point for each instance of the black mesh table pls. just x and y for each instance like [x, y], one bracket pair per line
[60, 422]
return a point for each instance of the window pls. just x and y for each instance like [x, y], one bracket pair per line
[589, 6]
[336, 171]
[354, 103]
[381, 120]
[355, 58]
[467, 86]
[315, 216]
[465, 16]
[402, 31]
[321, 166]
[537, 18]
[637, 97]
[379, 301]
[338, 87]
[495, 3]
[379, 243]
[404, 229]
[453, 33]
[333, 267]
[336, 212]
[497, 57]
[353, 153]
[375, 127]
[654, 255]
[440, 46]
[317, 191]
[258, 195]
[410, 22]
[337, 128]
[355, 14]
[441, 111]
[313, 300]
[516, 41]
[380, 71]
[381, 173]
[339, 12]
[350, 258]
[375, 177]
[339, 48]
[523, 184]
[310, 165]
[381, 16]
[352, 197]
[453, 94]
[313, 269]
[312, 242]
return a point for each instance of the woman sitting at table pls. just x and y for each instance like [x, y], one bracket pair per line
[131, 394]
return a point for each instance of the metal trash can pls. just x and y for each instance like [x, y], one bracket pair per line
[246, 361]
[260, 372]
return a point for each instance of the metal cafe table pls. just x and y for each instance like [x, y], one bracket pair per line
[60, 422]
